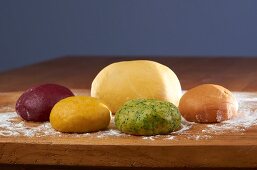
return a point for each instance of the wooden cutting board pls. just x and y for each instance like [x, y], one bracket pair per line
[196, 145]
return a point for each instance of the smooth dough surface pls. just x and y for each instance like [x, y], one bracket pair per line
[80, 114]
[123, 81]
[208, 103]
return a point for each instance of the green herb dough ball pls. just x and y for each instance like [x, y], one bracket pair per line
[147, 117]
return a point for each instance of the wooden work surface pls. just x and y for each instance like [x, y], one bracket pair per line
[219, 150]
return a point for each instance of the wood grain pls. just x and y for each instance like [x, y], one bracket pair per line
[236, 74]
[222, 150]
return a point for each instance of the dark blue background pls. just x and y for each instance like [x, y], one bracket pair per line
[32, 31]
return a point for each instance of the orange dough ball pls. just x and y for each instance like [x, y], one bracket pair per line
[208, 103]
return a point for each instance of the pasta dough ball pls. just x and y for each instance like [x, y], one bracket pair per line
[36, 103]
[208, 103]
[80, 114]
[147, 117]
[123, 81]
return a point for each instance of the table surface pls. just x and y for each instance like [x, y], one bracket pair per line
[236, 74]
[225, 150]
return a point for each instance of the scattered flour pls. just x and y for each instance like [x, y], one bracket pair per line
[12, 125]
[110, 132]
[171, 138]
[247, 117]
[219, 116]
[185, 126]
[149, 137]
[9, 126]
[198, 137]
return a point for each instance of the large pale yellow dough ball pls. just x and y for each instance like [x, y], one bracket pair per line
[123, 81]
[80, 114]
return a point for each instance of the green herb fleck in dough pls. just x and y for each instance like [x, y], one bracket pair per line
[147, 117]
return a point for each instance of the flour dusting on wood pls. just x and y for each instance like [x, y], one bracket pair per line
[12, 125]
[247, 117]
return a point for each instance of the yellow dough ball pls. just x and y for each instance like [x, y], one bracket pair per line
[79, 114]
[123, 81]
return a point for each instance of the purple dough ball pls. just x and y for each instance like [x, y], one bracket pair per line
[36, 103]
